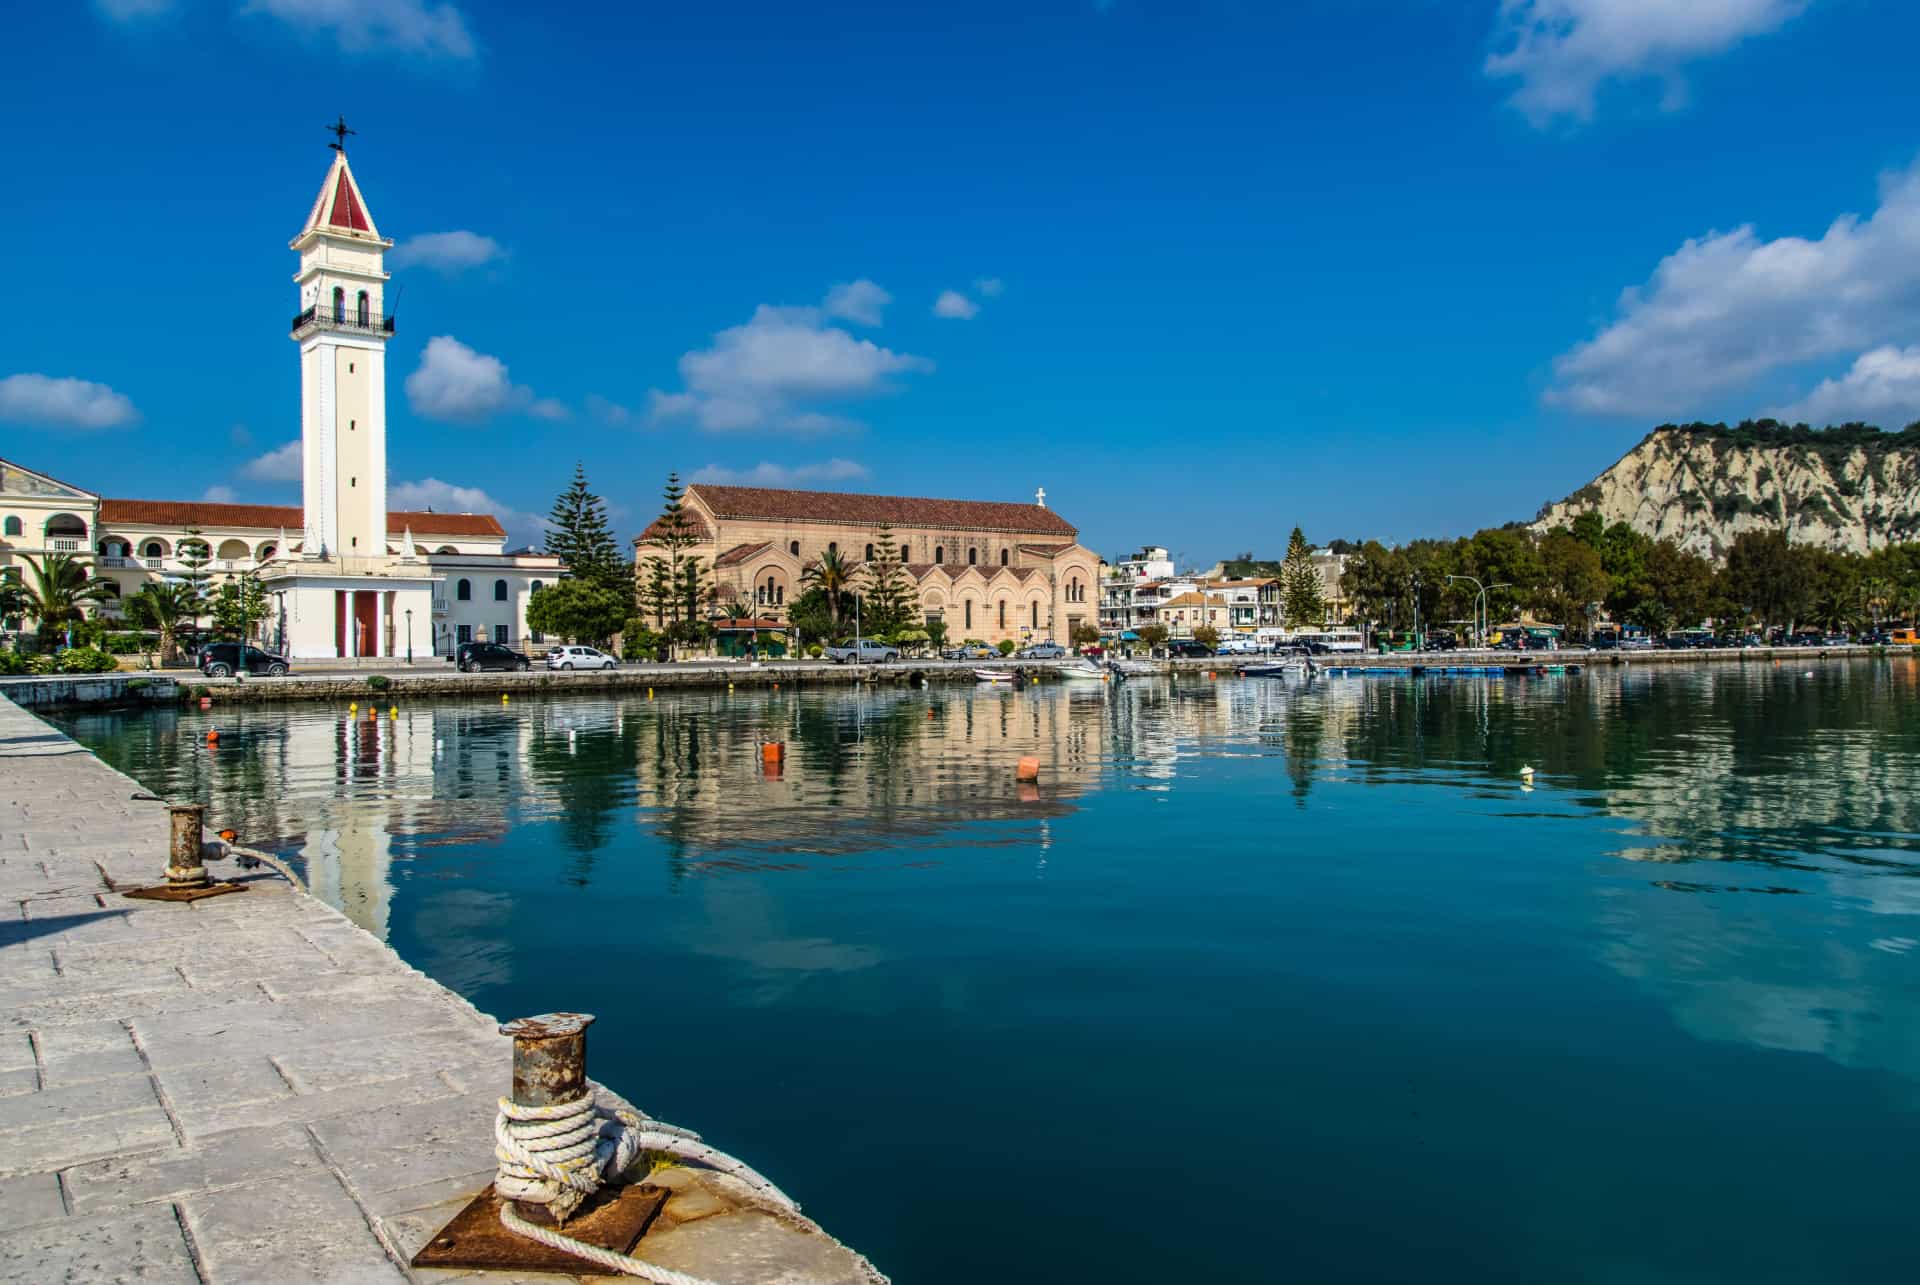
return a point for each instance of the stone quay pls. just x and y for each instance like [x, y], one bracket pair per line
[249, 1087]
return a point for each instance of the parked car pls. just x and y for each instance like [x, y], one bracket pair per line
[1635, 642]
[472, 657]
[224, 659]
[1739, 640]
[862, 651]
[1441, 640]
[1042, 651]
[971, 651]
[1688, 640]
[571, 658]
[1187, 649]
[1239, 645]
[1876, 638]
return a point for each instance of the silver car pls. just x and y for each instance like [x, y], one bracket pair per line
[579, 658]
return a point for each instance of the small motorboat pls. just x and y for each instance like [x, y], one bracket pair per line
[1294, 666]
[1132, 668]
[993, 675]
[1085, 672]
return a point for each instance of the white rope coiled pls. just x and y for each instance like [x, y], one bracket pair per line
[559, 1155]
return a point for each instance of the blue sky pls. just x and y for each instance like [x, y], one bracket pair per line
[1203, 270]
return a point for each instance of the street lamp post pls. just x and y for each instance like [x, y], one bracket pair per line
[409, 635]
[1417, 644]
[1478, 593]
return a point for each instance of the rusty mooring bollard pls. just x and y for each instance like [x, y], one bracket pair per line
[549, 1067]
[185, 867]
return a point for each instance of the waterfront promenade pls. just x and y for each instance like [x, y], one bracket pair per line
[249, 1087]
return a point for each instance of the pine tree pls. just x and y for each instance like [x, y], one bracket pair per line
[886, 598]
[578, 535]
[1300, 585]
[676, 581]
[194, 553]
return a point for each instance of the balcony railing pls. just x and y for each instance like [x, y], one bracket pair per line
[109, 560]
[351, 320]
[63, 544]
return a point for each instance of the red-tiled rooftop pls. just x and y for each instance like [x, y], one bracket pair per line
[848, 508]
[271, 517]
[740, 553]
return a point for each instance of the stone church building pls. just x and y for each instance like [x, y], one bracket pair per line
[986, 569]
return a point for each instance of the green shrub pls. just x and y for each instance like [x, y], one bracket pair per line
[1006, 646]
[379, 682]
[138, 684]
[815, 651]
[201, 692]
[40, 663]
[84, 660]
[12, 662]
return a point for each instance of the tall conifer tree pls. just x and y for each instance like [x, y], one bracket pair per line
[1300, 585]
[886, 599]
[578, 535]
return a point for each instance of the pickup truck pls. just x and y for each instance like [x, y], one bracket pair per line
[862, 651]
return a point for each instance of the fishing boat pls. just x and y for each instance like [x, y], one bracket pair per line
[993, 675]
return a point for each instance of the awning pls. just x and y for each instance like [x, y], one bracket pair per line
[1129, 636]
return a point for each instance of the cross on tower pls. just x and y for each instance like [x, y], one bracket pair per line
[340, 131]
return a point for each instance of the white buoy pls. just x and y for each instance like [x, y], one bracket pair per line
[1526, 775]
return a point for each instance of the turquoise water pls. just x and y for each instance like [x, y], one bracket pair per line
[1261, 983]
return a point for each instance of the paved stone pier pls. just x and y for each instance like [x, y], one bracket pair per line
[249, 1087]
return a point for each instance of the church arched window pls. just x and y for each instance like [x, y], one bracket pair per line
[339, 304]
[869, 553]
[464, 591]
[1003, 557]
[793, 547]
[14, 527]
[363, 316]
[499, 591]
[535, 587]
[973, 556]
[833, 547]
[939, 555]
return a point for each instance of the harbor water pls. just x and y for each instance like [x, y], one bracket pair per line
[1263, 980]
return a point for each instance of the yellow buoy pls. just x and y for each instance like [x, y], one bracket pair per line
[503, 698]
[353, 708]
[393, 711]
[649, 693]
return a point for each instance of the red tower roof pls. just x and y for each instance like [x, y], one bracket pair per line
[340, 207]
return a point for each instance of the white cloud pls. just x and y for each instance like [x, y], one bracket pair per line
[955, 306]
[758, 375]
[1727, 308]
[133, 10]
[1562, 51]
[363, 26]
[608, 412]
[767, 473]
[549, 408]
[281, 464]
[859, 301]
[63, 402]
[989, 287]
[1882, 387]
[447, 252]
[453, 382]
[218, 495]
[445, 497]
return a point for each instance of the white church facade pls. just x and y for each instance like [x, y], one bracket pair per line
[345, 575]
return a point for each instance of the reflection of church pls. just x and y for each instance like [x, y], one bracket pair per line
[345, 575]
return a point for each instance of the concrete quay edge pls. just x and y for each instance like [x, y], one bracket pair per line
[214, 1092]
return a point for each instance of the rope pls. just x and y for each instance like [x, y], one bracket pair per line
[559, 1155]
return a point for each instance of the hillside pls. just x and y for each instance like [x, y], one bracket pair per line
[1851, 489]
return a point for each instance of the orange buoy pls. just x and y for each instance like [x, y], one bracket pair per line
[929, 713]
[206, 702]
[1028, 769]
[772, 752]
[213, 734]
[229, 835]
[1027, 792]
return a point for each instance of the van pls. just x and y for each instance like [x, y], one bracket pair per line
[1904, 637]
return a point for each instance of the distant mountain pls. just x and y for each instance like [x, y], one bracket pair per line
[1850, 489]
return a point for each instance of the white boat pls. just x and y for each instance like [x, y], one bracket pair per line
[1085, 672]
[1132, 668]
[993, 675]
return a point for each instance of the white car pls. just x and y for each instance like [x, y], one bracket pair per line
[1239, 645]
[579, 658]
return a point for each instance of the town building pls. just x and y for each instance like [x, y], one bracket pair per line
[984, 569]
[346, 576]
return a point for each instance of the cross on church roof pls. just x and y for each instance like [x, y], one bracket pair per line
[340, 131]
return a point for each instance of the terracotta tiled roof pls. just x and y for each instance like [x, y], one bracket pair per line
[739, 553]
[271, 517]
[848, 509]
[696, 527]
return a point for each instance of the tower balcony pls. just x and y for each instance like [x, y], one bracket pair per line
[347, 320]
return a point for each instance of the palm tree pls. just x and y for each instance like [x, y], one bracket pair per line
[830, 574]
[60, 588]
[164, 608]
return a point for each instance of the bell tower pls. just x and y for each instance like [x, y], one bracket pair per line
[342, 328]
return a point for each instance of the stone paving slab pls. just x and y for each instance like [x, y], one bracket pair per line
[250, 1088]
